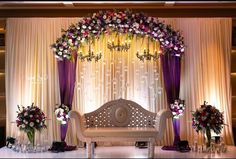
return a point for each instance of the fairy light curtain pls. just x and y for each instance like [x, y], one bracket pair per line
[118, 75]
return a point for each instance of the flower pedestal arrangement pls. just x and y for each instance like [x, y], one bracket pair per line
[29, 120]
[205, 119]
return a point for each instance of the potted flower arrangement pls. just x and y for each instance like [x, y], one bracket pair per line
[61, 112]
[29, 119]
[208, 118]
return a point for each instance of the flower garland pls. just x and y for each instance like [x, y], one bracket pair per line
[122, 22]
[208, 117]
[61, 112]
[30, 118]
[177, 108]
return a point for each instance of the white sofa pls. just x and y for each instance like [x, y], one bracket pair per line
[120, 120]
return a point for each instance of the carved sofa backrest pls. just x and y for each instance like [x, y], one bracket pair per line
[120, 113]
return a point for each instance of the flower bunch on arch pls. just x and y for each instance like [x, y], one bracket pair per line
[126, 22]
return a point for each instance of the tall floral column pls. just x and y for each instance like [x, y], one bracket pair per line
[171, 66]
[67, 72]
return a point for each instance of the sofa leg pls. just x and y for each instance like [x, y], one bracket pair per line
[89, 149]
[151, 148]
[92, 148]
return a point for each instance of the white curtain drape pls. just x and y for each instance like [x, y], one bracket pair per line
[31, 73]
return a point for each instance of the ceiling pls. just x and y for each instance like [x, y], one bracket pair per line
[83, 8]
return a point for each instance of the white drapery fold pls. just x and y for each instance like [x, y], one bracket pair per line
[31, 73]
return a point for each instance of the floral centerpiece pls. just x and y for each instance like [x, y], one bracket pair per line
[177, 108]
[29, 119]
[208, 118]
[61, 112]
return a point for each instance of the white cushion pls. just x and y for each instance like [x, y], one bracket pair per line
[121, 132]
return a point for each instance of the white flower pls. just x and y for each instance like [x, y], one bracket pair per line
[31, 116]
[26, 122]
[58, 110]
[84, 26]
[76, 43]
[63, 122]
[23, 125]
[59, 118]
[70, 40]
[118, 21]
[60, 53]
[26, 113]
[60, 48]
[37, 121]
[31, 124]
[176, 117]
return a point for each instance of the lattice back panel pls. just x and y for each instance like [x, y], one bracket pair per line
[120, 112]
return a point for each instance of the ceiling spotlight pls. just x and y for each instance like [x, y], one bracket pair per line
[68, 3]
[169, 3]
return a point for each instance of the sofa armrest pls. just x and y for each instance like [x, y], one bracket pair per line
[160, 123]
[79, 121]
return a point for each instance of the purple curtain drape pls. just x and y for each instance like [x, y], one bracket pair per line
[67, 72]
[171, 66]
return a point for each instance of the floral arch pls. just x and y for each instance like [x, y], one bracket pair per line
[171, 44]
[103, 22]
